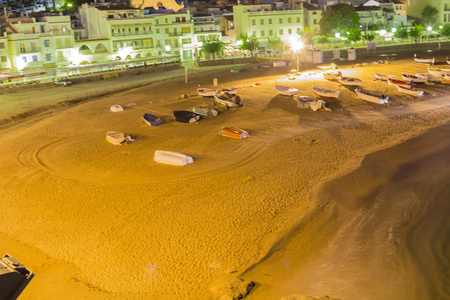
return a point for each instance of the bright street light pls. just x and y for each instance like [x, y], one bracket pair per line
[337, 34]
[296, 45]
[394, 30]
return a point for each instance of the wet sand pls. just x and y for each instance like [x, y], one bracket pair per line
[302, 206]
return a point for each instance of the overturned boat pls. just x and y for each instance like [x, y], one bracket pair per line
[234, 132]
[205, 111]
[151, 120]
[371, 96]
[184, 116]
[172, 158]
[327, 66]
[118, 138]
[285, 90]
[207, 93]
[116, 108]
[314, 104]
[351, 81]
[325, 93]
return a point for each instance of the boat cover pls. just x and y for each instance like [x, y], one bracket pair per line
[184, 116]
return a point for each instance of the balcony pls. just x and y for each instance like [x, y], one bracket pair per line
[176, 33]
[24, 50]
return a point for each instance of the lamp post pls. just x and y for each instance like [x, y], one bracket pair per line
[429, 31]
[296, 45]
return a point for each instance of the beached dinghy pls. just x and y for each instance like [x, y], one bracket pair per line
[285, 90]
[184, 116]
[314, 104]
[383, 77]
[227, 100]
[331, 75]
[371, 96]
[437, 71]
[326, 93]
[151, 120]
[327, 66]
[234, 132]
[415, 79]
[172, 158]
[448, 60]
[422, 60]
[351, 81]
[118, 138]
[392, 81]
[410, 91]
[116, 108]
[447, 77]
[205, 111]
[430, 77]
[207, 93]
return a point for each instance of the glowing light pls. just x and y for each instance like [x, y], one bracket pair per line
[167, 48]
[429, 28]
[440, 26]
[337, 35]
[69, 4]
[383, 32]
[296, 44]
[394, 29]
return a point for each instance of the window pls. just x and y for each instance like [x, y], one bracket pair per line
[262, 21]
[157, 30]
[290, 31]
[298, 19]
[49, 57]
[270, 21]
[33, 46]
[136, 30]
[2, 45]
[3, 58]
[42, 28]
[289, 20]
[315, 21]
[24, 58]
[35, 58]
[281, 21]
[270, 32]
[167, 30]
[280, 32]
[253, 22]
[254, 33]
[262, 32]
[22, 47]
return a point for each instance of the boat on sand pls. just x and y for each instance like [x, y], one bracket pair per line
[415, 79]
[184, 116]
[151, 120]
[325, 93]
[285, 90]
[172, 158]
[205, 111]
[422, 60]
[430, 77]
[352, 81]
[392, 81]
[383, 77]
[234, 132]
[327, 66]
[410, 91]
[371, 96]
[314, 104]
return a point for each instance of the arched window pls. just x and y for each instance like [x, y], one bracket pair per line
[101, 49]
[85, 50]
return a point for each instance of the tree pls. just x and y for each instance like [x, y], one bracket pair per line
[354, 35]
[212, 46]
[338, 18]
[429, 15]
[401, 32]
[369, 35]
[274, 43]
[248, 42]
[416, 31]
[445, 30]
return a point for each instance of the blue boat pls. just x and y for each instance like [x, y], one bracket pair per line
[151, 120]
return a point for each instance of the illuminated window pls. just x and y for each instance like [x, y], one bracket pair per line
[22, 47]
[24, 58]
[35, 58]
[49, 57]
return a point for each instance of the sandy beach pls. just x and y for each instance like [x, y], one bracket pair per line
[349, 203]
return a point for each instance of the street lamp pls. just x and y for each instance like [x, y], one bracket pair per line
[296, 45]
[429, 30]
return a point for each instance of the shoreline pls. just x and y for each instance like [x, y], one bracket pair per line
[213, 219]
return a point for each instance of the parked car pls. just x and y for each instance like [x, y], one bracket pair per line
[63, 82]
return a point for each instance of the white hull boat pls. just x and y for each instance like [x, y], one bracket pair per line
[409, 91]
[327, 66]
[331, 75]
[437, 71]
[371, 96]
[326, 93]
[415, 79]
[392, 81]
[172, 158]
[430, 77]
[207, 93]
[425, 61]
[351, 81]
[285, 90]
[383, 77]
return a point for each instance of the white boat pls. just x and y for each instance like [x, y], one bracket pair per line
[422, 60]
[392, 81]
[204, 92]
[326, 93]
[410, 91]
[227, 101]
[430, 77]
[285, 90]
[327, 66]
[437, 71]
[383, 77]
[331, 75]
[371, 96]
[415, 79]
[116, 108]
[172, 158]
[205, 111]
[314, 104]
[118, 138]
[352, 81]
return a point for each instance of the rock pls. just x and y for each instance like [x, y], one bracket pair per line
[236, 289]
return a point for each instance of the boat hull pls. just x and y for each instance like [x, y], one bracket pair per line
[397, 82]
[409, 91]
[326, 93]
[383, 77]
[372, 96]
[285, 90]
[234, 132]
[415, 79]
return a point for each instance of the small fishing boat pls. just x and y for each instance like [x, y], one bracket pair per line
[327, 66]
[352, 81]
[430, 77]
[314, 104]
[437, 71]
[227, 100]
[285, 90]
[205, 111]
[185, 116]
[234, 132]
[422, 60]
[392, 81]
[410, 91]
[447, 77]
[415, 79]
[151, 120]
[325, 93]
[331, 75]
[371, 96]
[172, 158]
[448, 60]
[118, 138]
[383, 77]
[207, 93]
[116, 108]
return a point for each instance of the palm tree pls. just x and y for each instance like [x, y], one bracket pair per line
[212, 46]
